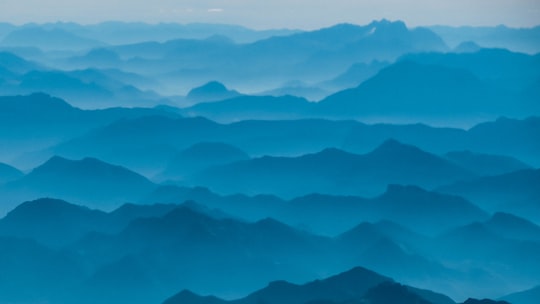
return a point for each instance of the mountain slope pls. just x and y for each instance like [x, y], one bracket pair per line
[41, 121]
[357, 285]
[41, 272]
[48, 39]
[516, 192]
[410, 89]
[513, 227]
[201, 156]
[211, 91]
[254, 107]
[9, 173]
[51, 222]
[333, 171]
[485, 164]
[89, 181]
[176, 246]
[529, 296]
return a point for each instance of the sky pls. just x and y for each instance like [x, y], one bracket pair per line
[265, 14]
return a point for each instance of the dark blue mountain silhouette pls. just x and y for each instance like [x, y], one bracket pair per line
[334, 171]
[197, 241]
[354, 286]
[332, 215]
[159, 248]
[57, 224]
[435, 213]
[52, 222]
[88, 181]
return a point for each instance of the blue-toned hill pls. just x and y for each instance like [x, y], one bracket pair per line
[88, 181]
[334, 171]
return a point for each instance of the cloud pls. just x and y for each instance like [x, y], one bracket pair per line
[215, 10]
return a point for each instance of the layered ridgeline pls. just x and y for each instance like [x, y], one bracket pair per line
[348, 63]
[158, 250]
[42, 121]
[331, 174]
[192, 181]
[32, 123]
[185, 61]
[89, 181]
[418, 87]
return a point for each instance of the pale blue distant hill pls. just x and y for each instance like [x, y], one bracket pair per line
[525, 40]
[48, 39]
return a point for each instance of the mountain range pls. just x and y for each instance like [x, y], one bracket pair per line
[88, 181]
[209, 163]
[334, 171]
[137, 244]
[357, 285]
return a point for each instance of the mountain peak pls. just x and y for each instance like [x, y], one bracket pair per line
[211, 91]
[394, 147]
[42, 207]
[39, 102]
[89, 181]
[187, 296]
[388, 23]
[358, 276]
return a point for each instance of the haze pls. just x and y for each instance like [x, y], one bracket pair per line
[302, 14]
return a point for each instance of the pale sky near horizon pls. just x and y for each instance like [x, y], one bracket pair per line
[301, 14]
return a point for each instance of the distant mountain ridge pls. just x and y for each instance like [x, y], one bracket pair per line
[211, 91]
[516, 192]
[138, 245]
[516, 39]
[354, 286]
[334, 171]
[87, 180]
